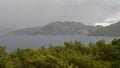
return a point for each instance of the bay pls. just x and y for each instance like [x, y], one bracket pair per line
[13, 42]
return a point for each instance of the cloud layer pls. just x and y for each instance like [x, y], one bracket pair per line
[27, 13]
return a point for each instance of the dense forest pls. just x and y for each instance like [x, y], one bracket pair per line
[71, 55]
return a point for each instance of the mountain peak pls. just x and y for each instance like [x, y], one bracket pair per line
[66, 22]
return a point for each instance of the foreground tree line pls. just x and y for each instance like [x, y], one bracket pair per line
[71, 55]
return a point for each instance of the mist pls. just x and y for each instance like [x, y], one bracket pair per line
[17, 14]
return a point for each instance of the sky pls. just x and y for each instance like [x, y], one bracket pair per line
[18, 14]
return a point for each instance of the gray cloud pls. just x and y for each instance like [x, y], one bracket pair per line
[27, 13]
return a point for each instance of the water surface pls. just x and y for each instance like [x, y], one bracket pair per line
[13, 41]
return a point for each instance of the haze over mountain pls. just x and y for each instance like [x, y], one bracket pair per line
[112, 30]
[58, 28]
[109, 21]
[4, 30]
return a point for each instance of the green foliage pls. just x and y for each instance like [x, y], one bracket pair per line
[71, 55]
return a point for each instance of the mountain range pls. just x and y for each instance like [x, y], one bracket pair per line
[71, 28]
[58, 28]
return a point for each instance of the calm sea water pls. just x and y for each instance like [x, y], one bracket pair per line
[12, 41]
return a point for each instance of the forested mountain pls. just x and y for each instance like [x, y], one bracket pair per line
[58, 28]
[112, 30]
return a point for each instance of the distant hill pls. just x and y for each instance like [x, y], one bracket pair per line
[58, 28]
[112, 30]
[4, 30]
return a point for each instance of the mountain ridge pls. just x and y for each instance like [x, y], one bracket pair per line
[111, 30]
[58, 28]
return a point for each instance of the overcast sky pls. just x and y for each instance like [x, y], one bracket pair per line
[28, 13]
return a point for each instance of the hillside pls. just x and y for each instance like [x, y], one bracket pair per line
[58, 28]
[112, 30]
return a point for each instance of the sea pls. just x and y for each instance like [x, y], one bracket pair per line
[12, 42]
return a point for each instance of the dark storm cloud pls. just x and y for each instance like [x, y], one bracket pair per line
[27, 13]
